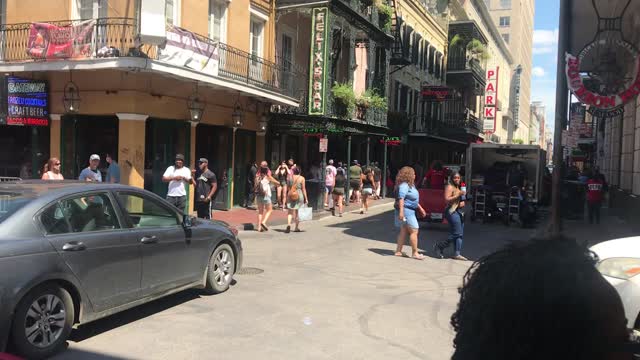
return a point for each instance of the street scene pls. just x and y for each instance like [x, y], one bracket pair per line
[336, 179]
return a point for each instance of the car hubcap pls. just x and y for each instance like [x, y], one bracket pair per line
[222, 268]
[45, 321]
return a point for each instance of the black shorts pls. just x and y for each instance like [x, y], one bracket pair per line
[203, 209]
[355, 185]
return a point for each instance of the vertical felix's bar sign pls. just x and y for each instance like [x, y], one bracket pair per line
[318, 63]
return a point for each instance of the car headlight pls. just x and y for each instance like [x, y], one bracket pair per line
[621, 268]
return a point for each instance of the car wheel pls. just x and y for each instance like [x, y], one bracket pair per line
[42, 322]
[221, 269]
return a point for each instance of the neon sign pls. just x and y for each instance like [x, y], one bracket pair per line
[318, 73]
[27, 102]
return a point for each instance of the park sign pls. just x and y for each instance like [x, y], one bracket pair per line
[490, 101]
[318, 62]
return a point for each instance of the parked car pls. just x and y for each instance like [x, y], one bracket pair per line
[71, 253]
[619, 263]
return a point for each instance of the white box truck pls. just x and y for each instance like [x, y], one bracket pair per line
[489, 161]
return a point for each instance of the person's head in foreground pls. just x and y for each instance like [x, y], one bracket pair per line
[542, 299]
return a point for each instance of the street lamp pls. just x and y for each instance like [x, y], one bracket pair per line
[262, 124]
[196, 107]
[237, 116]
[71, 97]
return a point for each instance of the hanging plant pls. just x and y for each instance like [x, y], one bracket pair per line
[478, 50]
[345, 98]
[385, 13]
[375, 100]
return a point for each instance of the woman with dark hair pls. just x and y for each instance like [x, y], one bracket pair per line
[338, 192]
[295, 202]
[52, 170]
[368, 189]
[541, 299]
[454, 198]
[263, 197]
[407, 204]
[282, 173]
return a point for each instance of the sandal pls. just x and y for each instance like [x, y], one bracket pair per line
[400, 254]
[264, 227]
[418, 257]
[288, 230]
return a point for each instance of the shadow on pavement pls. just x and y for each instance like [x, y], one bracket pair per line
[98, 327]
[86, 355]
[479, 240]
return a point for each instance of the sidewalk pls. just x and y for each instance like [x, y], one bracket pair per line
[246, 219]
[611, 227]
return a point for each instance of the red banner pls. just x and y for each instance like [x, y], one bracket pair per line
[48, 41]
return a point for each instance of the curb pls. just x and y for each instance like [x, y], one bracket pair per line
[317, 215]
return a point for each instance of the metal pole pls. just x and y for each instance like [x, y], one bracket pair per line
[384, 171]
[348, 200]
[324, 165]
[368, 148]
[562, 95]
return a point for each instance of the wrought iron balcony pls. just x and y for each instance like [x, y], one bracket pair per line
[458, 120]
[118, 35]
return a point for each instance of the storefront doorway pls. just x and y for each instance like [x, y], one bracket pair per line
[164, 139]
[23, 150]
[245, 153]
[214, 144]
[83, 135]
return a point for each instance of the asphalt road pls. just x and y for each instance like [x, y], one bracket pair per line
[332, 292]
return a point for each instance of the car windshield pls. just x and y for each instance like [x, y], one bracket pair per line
[10, 202]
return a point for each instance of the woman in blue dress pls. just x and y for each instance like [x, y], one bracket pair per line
[407, 211]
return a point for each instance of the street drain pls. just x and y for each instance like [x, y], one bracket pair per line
[250, 271]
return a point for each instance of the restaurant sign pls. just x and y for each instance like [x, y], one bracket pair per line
[436, 93]
[318, 63]
[27, 102]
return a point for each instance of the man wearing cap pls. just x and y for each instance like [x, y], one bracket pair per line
[355, 181]
[206, 186]
[330, 181]
[91, 173]
[177, 176]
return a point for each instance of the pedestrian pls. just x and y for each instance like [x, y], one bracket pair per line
[377, 178]
[252, 172]
[113, 172]
[296, 198]
[368, 189]
[91, 173]
[330, 182]
[435, 177]
[265, 164]
[406, 206]
[206, 186]
[454, 198]
[52, 170]
[595, 196]
[263, 197]
[338, 192]
[355, 181]
[541, 299]
[282, 173]
[178, 176]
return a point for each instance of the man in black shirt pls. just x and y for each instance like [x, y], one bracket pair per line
[206, 186]
[251, 183]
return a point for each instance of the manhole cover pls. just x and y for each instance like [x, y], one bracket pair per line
[250, 271]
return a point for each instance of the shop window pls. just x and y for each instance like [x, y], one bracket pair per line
[25, 150]
[505, 4]
[505, 21]
[218, 20]
[505, 37]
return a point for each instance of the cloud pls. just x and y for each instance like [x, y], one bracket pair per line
[538, 71]
[545, 41]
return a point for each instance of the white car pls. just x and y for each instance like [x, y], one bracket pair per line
[619, 263]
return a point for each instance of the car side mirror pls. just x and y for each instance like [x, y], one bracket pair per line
[186, 225]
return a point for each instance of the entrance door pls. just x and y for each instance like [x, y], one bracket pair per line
[214, 144]
[86, 135]
[245, 154]
[164, 139]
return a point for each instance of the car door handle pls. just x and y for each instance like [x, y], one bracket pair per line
[149, 240]
[73, 246]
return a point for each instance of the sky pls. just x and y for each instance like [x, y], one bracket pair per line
[545, 52]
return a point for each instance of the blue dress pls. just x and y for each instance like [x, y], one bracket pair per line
[411, 200]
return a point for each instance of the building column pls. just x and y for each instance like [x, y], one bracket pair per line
[131, 147]
[260, 149]
[636, 151]
[54, 137]
[194, 160]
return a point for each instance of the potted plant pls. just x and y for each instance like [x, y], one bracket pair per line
[378, 102]
[385, 12]
[345, 99]
[362, 104]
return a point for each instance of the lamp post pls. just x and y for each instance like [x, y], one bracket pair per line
[262, 125]
[71, 98]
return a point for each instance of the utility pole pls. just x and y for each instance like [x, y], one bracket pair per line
[562, 98]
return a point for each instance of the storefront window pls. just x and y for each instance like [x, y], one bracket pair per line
[23, 151]
[164, 139]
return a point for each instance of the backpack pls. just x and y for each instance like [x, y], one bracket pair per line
[262, 187]
[293, 192]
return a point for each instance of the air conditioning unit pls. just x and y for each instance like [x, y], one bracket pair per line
[152, 22]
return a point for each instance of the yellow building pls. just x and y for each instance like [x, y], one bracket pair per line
[115, 86]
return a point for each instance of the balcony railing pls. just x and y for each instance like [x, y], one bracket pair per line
[119, 35]
[462, 121]
[369, 116]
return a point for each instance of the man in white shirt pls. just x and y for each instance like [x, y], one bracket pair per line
[330, 182]
[177, 176]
